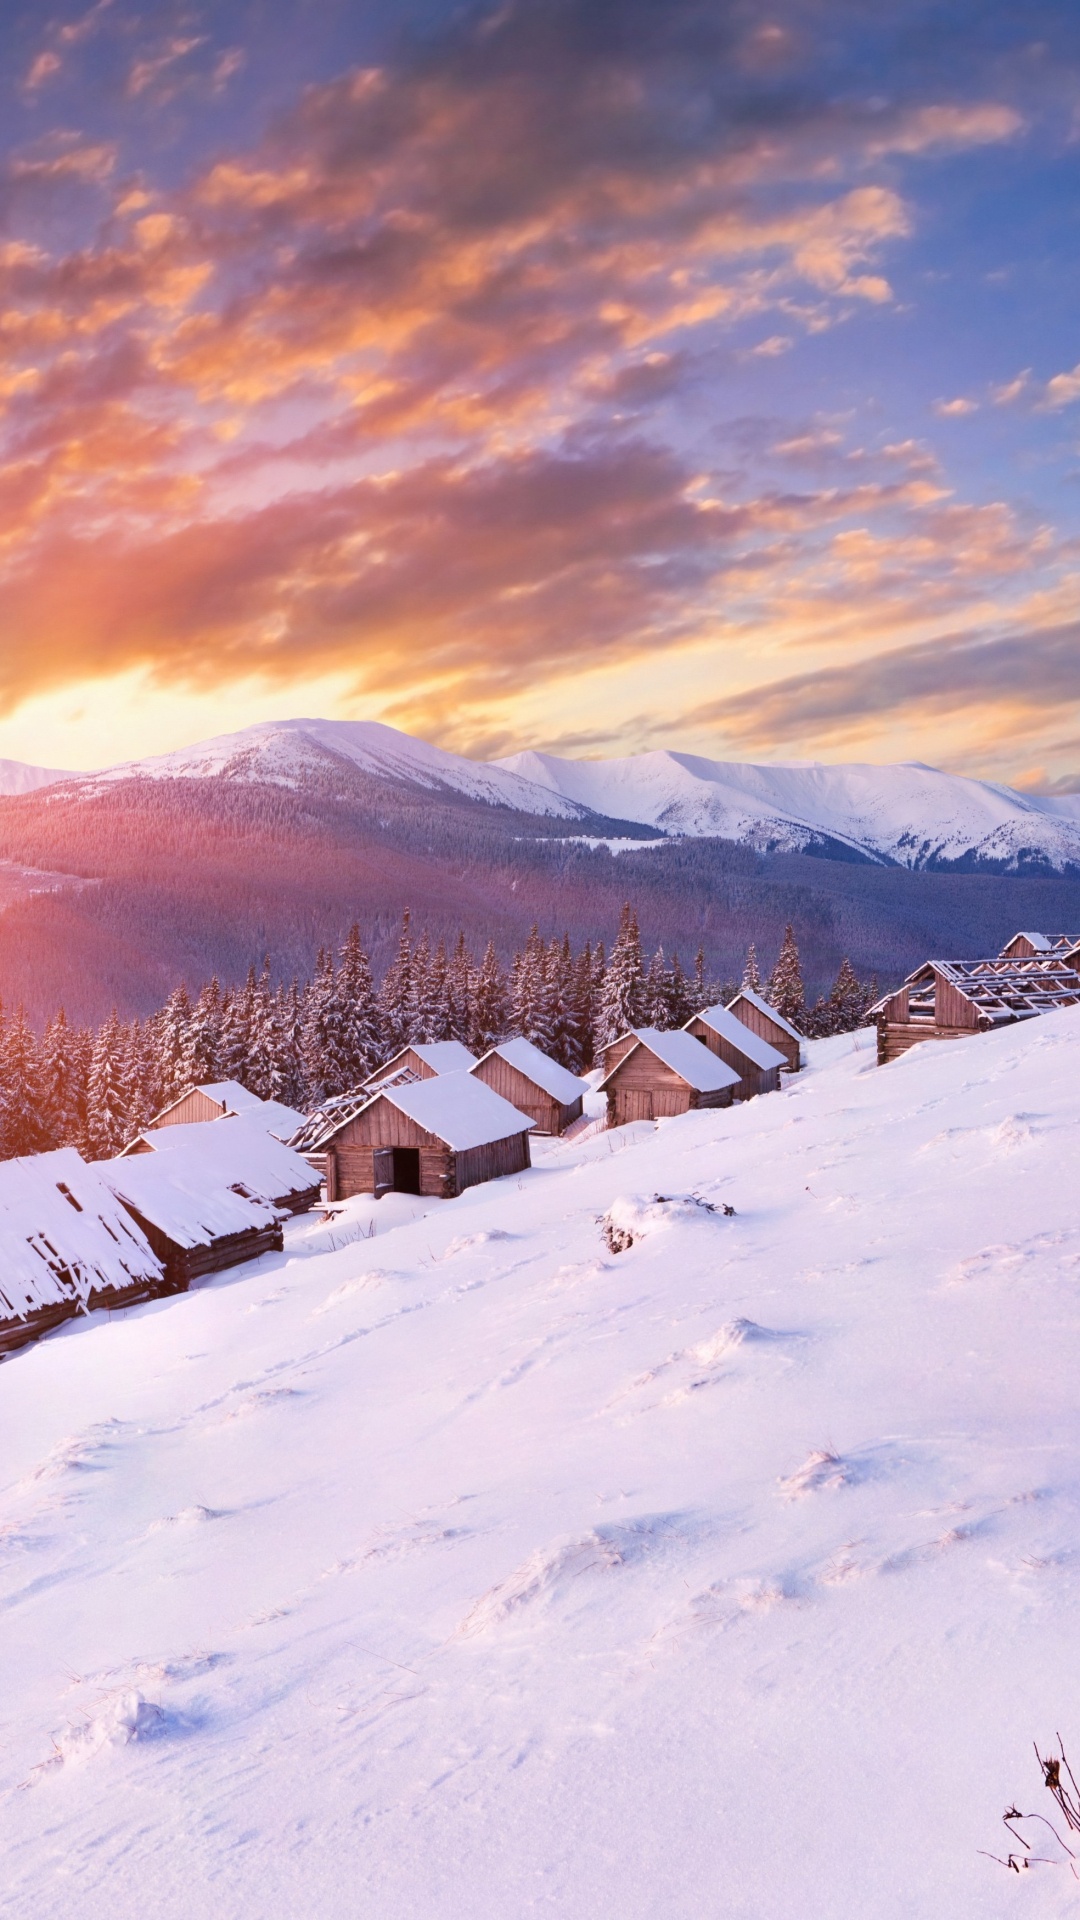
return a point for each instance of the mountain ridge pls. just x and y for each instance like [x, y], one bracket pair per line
[904, 814]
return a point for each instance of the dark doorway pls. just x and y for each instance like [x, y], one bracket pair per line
[407, 1169]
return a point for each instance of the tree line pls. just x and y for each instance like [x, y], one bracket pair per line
[303, 1043]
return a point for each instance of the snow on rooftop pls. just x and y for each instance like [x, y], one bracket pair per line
[63, 1236]
[723, 1022]
[188, 1191]
[273, 1115]
[757, 1000]
[229, 1093]
[444, 1056]
[687, 1057]
[1038, 941]
[459, 1110]
[539, 1067]
[235, 1148]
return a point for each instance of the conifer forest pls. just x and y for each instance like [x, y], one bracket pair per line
[307, 1041]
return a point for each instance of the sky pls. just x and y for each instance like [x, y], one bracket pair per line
[594, 375]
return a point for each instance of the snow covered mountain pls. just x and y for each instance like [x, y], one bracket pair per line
[910, 814]
[16, 777]
[472, 1570]
[289, 753]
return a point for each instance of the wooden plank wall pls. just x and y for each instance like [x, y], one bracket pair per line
[752, 1078]
[767, 1029]
[522, 1093]
[952, 1008]
[193, 1106]
[492, 1161]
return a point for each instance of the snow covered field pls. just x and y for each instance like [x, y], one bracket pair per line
[471, 1569]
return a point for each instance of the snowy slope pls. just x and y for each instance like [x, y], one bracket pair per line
[908, 813]
[287, 752]
[471, 1571]
[16, 777]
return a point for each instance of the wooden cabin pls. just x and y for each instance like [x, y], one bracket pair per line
[953, 999]
[434, 1137]
[423, 1060]
[67, 1245]
[617, 1049]
[238, 1151]
[664, 1074]
[533, 1083]
[221, 1099]
[757, 1064]
[195, 1211]
[762, 1019]
[1025, 946]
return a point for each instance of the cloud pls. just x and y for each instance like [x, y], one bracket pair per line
[358, 394]
[1062, 390]
[1021, 671]
[955, 409]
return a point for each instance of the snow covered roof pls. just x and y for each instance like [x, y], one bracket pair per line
[63, 1235]
[229, 1150]
[723, 1022]
[229, 1093]
[178, 1194]
[686, 1056]
[278, 1119]
[459, 1110]
[757, 1000]
[538, 1067]
[442, 1056]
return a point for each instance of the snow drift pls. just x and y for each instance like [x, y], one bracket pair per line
[471, 1569]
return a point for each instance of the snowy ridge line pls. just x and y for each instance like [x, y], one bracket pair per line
[908, 814]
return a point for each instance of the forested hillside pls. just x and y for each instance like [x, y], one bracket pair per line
[196, 877]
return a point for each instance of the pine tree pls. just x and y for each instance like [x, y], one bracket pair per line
[656, 994]
[849, 999]
[289, 1024]
[171, 1027]
[461, 985]
[107, 1098]
[622, 998]
[701, 987]
[785, 990]
[490, 1012]
[566, 1017]
[680, 1004]
[21, 1129]
[751, 978]
[61, 1119]
[201, 1052]
[532, 1008]
[395, 994]
[361, 1045]
[324, 1064]
[139, 1107]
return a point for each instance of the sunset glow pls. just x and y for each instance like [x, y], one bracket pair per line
[583, 375]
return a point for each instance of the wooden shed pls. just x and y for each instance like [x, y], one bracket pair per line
[424, 1059]
[1025, 946]
[756, 1062]
[433, 1137]
[664, 1074]
[219, 1099]
[66, 1246]
[617, 1049]
[237, 1151]
[198, 1217]
[762, 1019]
[953, 999]
[533, 1083]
